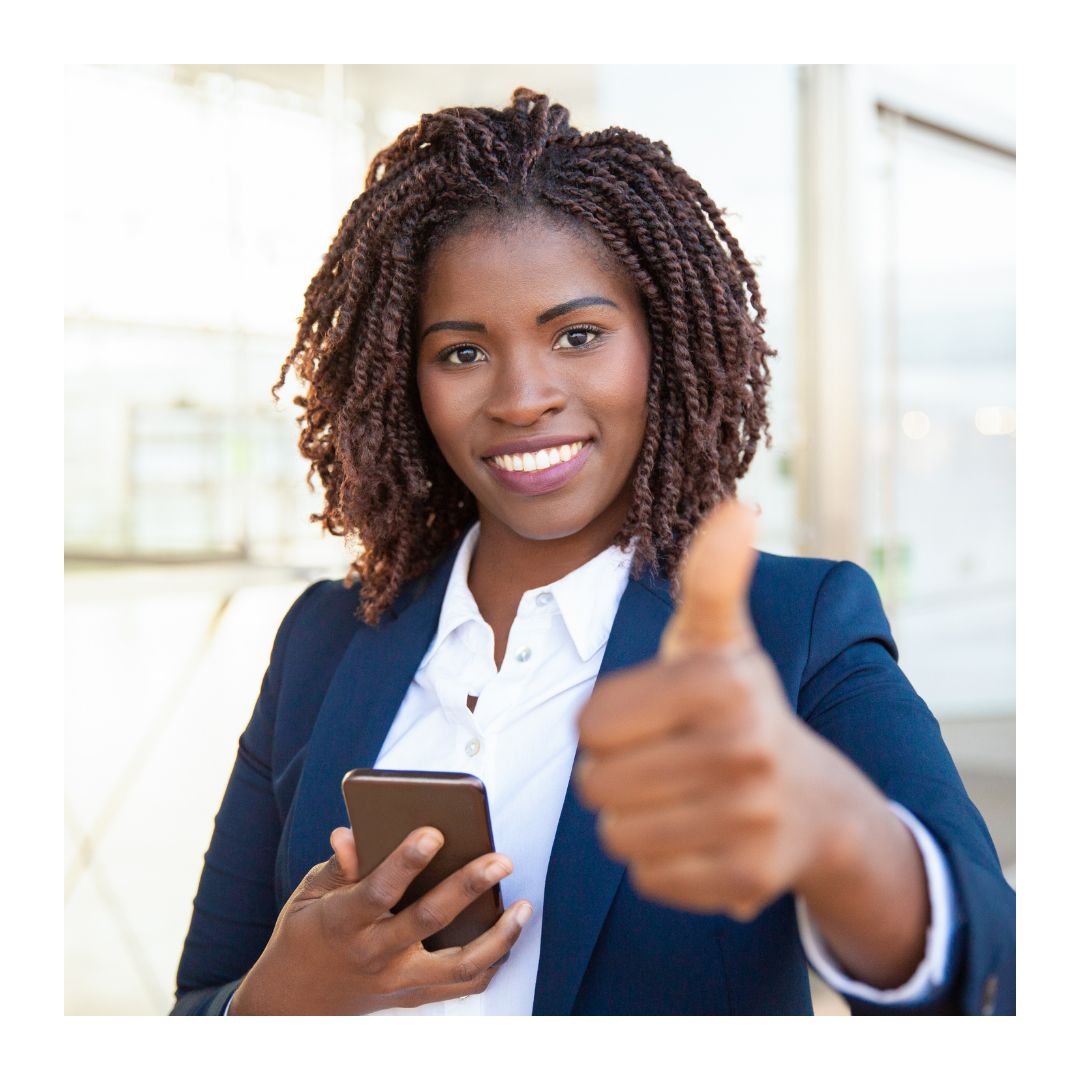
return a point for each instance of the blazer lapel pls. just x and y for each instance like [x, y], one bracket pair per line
[361, 702]
[581, 879]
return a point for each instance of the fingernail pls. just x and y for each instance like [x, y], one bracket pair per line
[428, 844]
[523, 914]
[495, 871]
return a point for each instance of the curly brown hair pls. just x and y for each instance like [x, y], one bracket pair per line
[386, 483]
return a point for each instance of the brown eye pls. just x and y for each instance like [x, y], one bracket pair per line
[578, 337]
[467, 355]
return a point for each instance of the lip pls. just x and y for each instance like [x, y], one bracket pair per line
[540, 483]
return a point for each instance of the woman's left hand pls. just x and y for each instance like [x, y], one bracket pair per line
[708, 786]
[717, 796]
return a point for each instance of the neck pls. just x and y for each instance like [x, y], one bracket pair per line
[505, 565]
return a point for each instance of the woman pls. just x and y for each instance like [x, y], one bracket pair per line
[535, 363]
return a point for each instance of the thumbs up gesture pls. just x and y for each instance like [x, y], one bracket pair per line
[717, 796]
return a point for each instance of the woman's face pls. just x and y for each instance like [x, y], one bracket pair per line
[534, 338]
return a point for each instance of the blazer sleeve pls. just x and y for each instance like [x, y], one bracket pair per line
[854, 694]
[235, 908]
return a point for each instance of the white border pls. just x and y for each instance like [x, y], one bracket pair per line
[1034, 35]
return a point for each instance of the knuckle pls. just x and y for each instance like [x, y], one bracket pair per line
[428, 916]
[313, 874]
[588, 787]
[760, 757]
[312, 881]
[585, 721]
[751, 886]
[741, 886]
[753, 745]
[465, 971]
[762, 819]
[411, 999]
[381, 891]
[715, 752]
[743, 911]
[591, 719]
[641, 877]
[609, 833]
[476, 883]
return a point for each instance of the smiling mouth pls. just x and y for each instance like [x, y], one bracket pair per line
[538, 461]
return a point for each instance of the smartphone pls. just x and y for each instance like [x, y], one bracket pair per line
[385, 805]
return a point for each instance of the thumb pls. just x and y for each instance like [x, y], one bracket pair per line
[341, 869]
[714, 608]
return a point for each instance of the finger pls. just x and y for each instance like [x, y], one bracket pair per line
[674, 766]
[339, 871]
[439, 907]
[659, 697]
[718, 821]
[707, 883]
[373, 896]
[341, 840]
[714, 583]
[462, 966]
[454, 966]
[426, 995]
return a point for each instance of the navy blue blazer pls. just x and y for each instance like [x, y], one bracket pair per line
[334, 686]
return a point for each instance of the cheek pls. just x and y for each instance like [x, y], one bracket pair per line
[632, 402]
[439, 409]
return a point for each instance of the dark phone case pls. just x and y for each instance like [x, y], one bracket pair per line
[385, 805]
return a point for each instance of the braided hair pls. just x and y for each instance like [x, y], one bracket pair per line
[387, 486]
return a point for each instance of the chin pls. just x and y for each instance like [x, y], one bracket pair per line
[541, 524]
[557, 518]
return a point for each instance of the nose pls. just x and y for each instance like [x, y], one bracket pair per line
[524, 389]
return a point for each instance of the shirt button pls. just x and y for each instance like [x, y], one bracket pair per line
[472, 747]
[989, 995]
[544, 598]
[523, 654]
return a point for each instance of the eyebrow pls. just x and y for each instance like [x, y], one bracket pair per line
[570, 305]
[546, 316]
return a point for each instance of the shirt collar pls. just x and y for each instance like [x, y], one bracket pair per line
[458, 606]
[587, 598]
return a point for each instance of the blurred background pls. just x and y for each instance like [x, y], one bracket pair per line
[878, 205]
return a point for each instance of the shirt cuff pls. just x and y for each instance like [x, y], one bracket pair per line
[228, 1003]
[930, 974]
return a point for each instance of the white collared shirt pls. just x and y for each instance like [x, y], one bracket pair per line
[521, 741]
[522, 737]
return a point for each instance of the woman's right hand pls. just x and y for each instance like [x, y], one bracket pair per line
[337, 949]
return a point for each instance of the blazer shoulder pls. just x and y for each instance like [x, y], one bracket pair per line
[803, 582]
[323, 618]
[800, 605]
[787, 586]
[318, 628]
[797, 570]
[784, 590]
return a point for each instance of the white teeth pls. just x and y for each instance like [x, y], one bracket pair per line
[542, 459]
